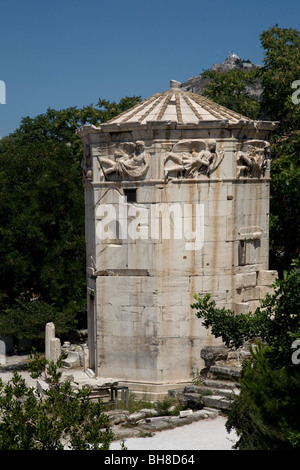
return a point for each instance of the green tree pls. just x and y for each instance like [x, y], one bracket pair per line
[265, 415]
[281, 68]
[284, 197]
[42, 239]
[58, 419]
[231, 89]
[41, 235]
[26, 320]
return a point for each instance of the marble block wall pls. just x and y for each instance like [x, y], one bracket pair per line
[173, 208]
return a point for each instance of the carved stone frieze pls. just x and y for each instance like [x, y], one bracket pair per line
[191, 158]
[129, 161]
[252, 159]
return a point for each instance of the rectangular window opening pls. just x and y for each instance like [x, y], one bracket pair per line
[130, 193]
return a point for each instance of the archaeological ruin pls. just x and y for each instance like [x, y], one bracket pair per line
[177, 203]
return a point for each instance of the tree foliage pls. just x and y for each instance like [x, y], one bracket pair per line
[58, 419]
[42, 235]
[281, 68]
[27, 320]
[231, 89]
[42, 216]
[265, 415]
[285, 194]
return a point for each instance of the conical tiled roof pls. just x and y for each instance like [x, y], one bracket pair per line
[179, 106]
[176, 108]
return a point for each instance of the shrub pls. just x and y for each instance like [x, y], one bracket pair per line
[55, 420]
[266, 413]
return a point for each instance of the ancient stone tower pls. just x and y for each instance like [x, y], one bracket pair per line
[177, 203]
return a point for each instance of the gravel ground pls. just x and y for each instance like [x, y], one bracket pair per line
[208, 434]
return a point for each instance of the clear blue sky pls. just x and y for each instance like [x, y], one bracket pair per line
[66, 53]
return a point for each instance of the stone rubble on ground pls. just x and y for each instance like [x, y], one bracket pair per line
[218, 385]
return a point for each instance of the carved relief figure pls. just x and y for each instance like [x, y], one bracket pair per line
[253, 161]
[86, 163]
[191, 158]
[130, 160]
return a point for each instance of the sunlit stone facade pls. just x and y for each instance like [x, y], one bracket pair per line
[177, 203]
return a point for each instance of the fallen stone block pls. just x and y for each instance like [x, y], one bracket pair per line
[156, 419]
[226, 371]
[185, 413]
[42, 386]
[117, 417]
[205, 413]
[211, 354]
[216, 401]
[141, 415]
[72, 360]
[219, 384]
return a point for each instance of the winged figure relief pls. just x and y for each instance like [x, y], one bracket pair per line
[252, 160]
[190, 158]
[130, 160]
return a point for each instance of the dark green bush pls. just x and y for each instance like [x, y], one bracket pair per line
[59, 419]
[266, 414]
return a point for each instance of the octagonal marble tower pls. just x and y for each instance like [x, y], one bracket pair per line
[177, 203]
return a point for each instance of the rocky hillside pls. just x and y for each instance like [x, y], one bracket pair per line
[197, 84]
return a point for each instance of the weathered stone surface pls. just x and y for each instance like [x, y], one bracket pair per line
[49, 334]
[72, 360]
[117, 416]
[241, 307]
[226, 371]
[185, 413]
[216, 384]
[52, 344]
[267, 278]
[54, 349]
[42, 386]
[140, 415]
[216, 401]
[2, 352]
[211, 354]
[245, 280]
[187, 184]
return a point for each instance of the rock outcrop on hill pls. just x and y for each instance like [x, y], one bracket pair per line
[197, 84]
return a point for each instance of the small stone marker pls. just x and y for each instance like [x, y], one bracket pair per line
[2, 352]
[52, 344]
[185, 413]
